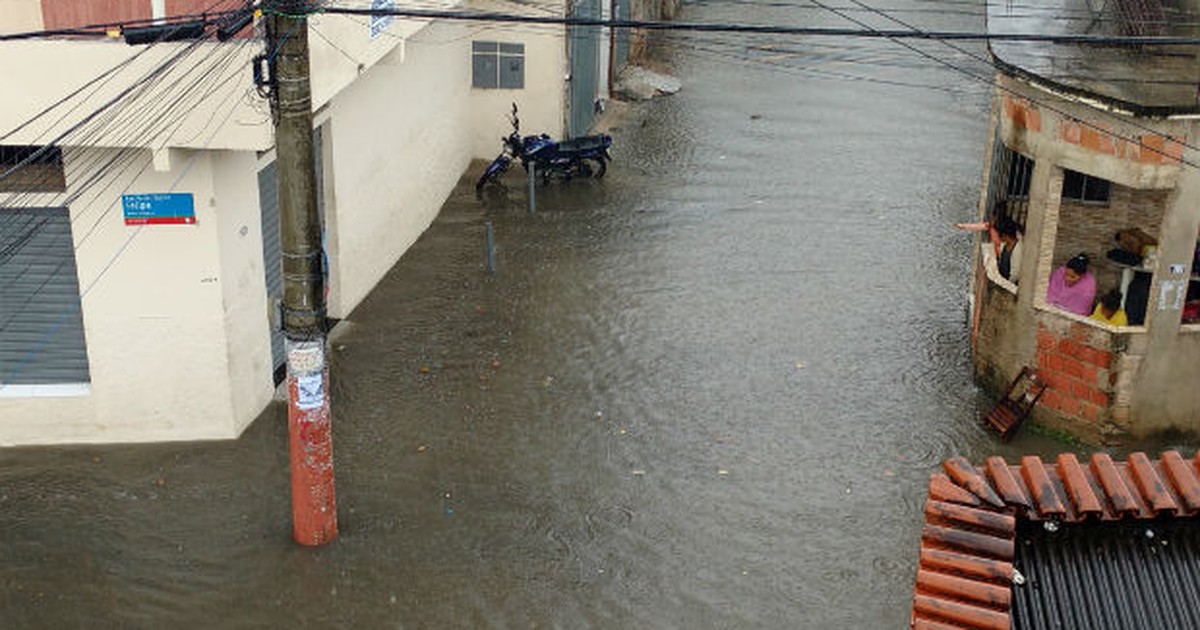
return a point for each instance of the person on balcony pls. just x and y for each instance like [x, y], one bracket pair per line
[1006, 235]
[1109, 311]
[1072, 287]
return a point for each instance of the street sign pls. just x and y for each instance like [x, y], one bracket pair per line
[379, 22]
[159, 209]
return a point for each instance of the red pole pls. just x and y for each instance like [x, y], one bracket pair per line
[310, 441]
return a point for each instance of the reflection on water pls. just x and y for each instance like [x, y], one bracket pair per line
[705, 392]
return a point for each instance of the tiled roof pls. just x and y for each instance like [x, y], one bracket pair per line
[965, 577]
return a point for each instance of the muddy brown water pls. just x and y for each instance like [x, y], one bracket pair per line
[705, 392]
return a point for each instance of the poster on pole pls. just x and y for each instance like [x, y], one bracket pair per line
[159, 209]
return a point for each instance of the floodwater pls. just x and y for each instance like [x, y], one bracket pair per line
[705, 392]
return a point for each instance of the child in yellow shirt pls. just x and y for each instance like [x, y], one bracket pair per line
[1109, 311]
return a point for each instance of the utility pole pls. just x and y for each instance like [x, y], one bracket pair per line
[310, 439]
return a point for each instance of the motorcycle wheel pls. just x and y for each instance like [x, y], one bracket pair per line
[491, 177]
[591, 167]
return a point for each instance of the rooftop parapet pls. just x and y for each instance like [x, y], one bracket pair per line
[1143, 80]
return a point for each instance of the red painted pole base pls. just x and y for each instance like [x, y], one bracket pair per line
[310, 444]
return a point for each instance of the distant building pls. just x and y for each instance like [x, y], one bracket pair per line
[1090, 140]
[139, 248]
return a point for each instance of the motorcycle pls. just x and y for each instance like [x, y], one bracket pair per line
[586, 156]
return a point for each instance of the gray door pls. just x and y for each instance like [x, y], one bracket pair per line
[41, 324]
[585, 68]
[268, 203]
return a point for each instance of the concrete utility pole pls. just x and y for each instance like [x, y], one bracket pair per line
[314, 511]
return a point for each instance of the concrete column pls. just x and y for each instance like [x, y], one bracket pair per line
[1167, 393]
[1045, 196]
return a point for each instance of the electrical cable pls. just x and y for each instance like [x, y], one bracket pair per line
[201, 88]
[865, 32]
[1040, 102]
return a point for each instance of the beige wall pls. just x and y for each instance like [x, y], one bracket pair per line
[176, 316]
[153, 317]
[243, 288]
[17, 16]
[542, 104]
[398, 141]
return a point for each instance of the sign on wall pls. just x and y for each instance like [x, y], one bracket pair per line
[159, 209]
[379, 23]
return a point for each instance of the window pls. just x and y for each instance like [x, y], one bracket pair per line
[1008, 187]
[496, 65]
[34, 169]
[1084, 188]
[1020, 171]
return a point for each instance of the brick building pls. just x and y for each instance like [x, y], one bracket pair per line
[1088, 140]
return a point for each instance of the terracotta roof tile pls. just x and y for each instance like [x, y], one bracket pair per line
[1183, 479]
[966, 574]
[1006, 484]
[1151, 484]
[1118, 494]
[965, 475]
[1079, 488]
[942, 489]
[1045, 494]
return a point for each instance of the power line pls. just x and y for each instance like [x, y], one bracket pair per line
[1039, 102]
[773, 29]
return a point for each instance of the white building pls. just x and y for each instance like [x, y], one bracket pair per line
[113, 329]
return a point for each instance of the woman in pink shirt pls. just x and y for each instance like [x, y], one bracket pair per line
[1072, 287]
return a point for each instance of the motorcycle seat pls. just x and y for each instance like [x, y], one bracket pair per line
[585, 143]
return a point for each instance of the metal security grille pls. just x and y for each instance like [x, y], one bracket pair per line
[1008, 184]
[41, 324]
[585, 68]
[620, 36]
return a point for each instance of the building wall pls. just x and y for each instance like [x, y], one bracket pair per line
[542, 104]
[176, 316]
[153, 317]
[18, 16]
[243, 292]
[72, 13]
[1105, 383]
[399, 140]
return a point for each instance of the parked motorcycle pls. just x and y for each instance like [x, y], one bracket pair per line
[586, 156]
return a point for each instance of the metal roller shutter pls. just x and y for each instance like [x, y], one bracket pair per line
[41, 324]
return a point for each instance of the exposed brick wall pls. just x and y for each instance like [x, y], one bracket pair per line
[1089, 372]
[1090, 228]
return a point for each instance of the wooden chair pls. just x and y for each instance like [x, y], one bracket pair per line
[1012, 409]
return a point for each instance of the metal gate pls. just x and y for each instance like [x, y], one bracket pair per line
[268, 203]
[620, 36]
[41, 324]
[584, 54]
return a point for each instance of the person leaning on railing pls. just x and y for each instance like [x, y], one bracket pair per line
[1072, 287]
[1006, 238]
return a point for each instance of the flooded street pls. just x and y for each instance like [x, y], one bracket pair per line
[704, 392]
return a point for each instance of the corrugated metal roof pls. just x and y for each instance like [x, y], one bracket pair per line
[1108, 576]
[966, 573]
